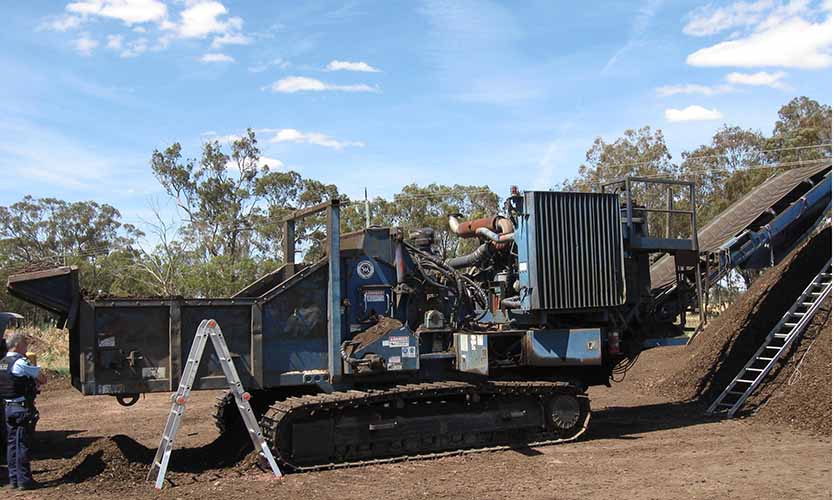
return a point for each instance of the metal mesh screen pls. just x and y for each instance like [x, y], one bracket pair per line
[578, 251]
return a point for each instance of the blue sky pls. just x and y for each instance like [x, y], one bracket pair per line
[381, 94]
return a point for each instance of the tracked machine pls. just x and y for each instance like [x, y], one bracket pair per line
[387, 349]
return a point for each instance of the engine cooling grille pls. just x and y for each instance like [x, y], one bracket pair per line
[577, 251]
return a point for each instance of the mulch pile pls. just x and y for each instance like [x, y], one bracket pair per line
[107, 459]
[708, 364]
[798, 392]
[121, 458]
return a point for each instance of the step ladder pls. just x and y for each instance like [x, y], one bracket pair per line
[781, 337]
[207, 329]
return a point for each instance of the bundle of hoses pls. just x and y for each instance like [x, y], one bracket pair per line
[432, 267]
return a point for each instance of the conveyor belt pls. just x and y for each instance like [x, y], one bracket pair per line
[745, 213]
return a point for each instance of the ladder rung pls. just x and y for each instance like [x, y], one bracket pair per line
[781, 335]
[791, 325]
[736, 393]
[755, 369]
[764, 359]
[808, 303]
[744, 381]
[772, 347]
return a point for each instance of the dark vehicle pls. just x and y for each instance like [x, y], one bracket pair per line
[386, 349]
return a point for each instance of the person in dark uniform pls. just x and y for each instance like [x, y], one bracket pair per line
[19, 382]
[5, 319]
[3, 351]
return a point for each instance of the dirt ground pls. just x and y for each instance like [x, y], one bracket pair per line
[648, 437]
[639, 446]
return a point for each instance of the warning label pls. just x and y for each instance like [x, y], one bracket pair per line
[399, 341]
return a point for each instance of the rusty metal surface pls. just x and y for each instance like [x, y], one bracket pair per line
[468, 228]
[745, 213]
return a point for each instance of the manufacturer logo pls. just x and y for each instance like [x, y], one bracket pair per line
[365, 269]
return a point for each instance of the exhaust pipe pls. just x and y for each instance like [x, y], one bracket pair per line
[497, 229]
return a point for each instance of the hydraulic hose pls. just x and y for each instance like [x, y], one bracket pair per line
[471, 259]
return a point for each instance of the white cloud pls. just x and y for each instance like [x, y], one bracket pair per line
[84, 45]
[127, 11]
[316, 138]
[761, 78]
[216, 57]
[294, 84]
[197, 19]
[231, 39]
[351, 66]
[279, 62]
[224, 139]
[692, 113]
[692, 88]
[62, 23]
[135, 48]
[707, 20]
[271, 163]
[644, 15]
[795, 43]
[766, 34]
[127, 49]
[204, 18]
[115, 42]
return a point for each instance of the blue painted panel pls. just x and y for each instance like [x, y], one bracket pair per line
[294, 326]
[368, 287]
[580, 346]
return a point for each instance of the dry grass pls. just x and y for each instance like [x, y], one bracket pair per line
[52, 345]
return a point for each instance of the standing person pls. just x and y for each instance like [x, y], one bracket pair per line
[5, 319]
[18, 387]
[3, 350]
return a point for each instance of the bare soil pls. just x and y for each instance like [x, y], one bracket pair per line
[639, 446]
[648, 437]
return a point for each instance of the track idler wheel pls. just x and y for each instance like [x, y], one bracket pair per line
[566, 413]
[226, 415]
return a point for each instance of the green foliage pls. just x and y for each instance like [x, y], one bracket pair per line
[232, 208]
[725, 170]
[429, 206]
[640, 153]
[802, 122]
[734, 162]
[46, 232]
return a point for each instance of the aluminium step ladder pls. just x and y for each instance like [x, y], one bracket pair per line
[207, 329]
[781, 337]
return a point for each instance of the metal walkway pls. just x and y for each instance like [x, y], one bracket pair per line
[793, 323]
[751, 212]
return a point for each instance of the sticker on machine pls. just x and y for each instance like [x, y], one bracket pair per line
[375, 296]
[108, 342]
[523, 267]
[409, 352]
[399, 341]
[394, 363]
[154, 372]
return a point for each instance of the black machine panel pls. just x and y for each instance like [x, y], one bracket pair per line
[575, 259]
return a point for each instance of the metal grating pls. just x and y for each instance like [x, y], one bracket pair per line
[578, 251]
[739, 216]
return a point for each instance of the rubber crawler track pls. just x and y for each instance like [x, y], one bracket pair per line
[301, 407]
